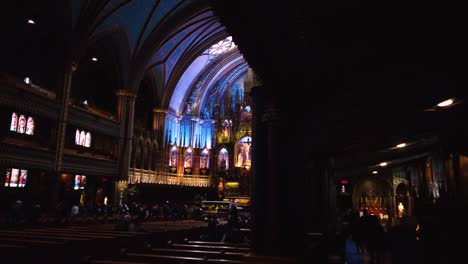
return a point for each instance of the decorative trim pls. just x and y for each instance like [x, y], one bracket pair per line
[160, 110]
[127, 93]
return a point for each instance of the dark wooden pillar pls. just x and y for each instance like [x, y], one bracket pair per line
[277, 179]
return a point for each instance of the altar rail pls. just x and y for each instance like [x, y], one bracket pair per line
[158, 177]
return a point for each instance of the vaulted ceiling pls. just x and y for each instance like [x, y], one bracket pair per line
[361, 73]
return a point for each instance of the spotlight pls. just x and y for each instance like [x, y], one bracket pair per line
[94, 59]
[383, 164]
[401, 145]
[445, 103]
[30, 21]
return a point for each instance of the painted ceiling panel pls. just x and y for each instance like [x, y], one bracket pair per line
[213, 29]
[164, 51]
[131, 17]
[185, 81]
[159, 75]
[76, 8]
[163, 8]
[177, 53]
[111, 5]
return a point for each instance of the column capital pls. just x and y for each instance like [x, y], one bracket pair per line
[159, 110]
[127, 93]
[74, 66]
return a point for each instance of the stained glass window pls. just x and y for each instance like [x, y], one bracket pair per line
[77, 137]
[14, 122]
[30, 126]
[88, 140]
[80, 182]
[16, 177]
[21, 124]
[83, 138]
[222, 46]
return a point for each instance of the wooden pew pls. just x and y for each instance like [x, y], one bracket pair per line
[158, 258]
[211, 247]
[210, 254]
[214, 243]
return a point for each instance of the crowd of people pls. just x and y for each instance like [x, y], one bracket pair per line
[368, 240]
[21, 213]
[130, 216]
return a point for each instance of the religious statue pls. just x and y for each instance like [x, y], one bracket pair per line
[222, 164]
[188, 108]
[401, 210]
[188, 162]
[207, 112]
[173, 159]
[203, 163]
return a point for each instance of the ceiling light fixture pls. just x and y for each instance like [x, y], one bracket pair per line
[383, 164]
[94, 59]
[27, 80]
[30, 21]
[445, 103]
[375, 172]
[401, 145]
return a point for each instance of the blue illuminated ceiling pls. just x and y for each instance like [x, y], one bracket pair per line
[207, 76]
[174, 38]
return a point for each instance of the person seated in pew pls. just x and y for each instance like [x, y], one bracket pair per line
[123, 224]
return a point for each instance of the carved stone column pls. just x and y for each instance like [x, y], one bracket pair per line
[63, 115]
[125, 114]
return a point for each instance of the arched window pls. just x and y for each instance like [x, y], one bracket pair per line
[223, 159]
[82, 138]
[21, 124]
[77, 137]
[88, 140]
[204, 159]
[173, 157]
[14, 122]
[244, 158]
[188, 161]
[30, 126]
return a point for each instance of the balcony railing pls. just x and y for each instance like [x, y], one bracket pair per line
[160, 177]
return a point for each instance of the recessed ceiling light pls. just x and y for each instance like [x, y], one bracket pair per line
[27, 80]
[94, 59]
[383, 164]
[375, 172]
[401, 145]
[30, 21]
[445, 103]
